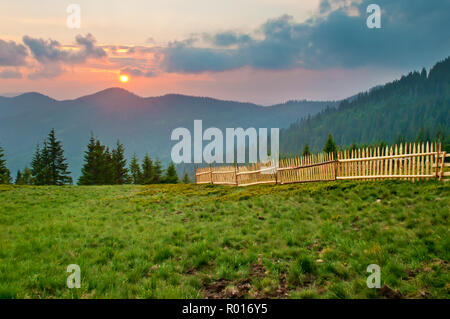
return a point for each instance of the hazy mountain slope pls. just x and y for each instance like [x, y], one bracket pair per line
[396, 110]
[142, 124]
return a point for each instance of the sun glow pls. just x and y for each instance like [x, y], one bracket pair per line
[124, 78]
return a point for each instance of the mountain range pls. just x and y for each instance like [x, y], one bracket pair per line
[143, 125]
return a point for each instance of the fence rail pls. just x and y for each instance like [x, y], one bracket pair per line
[409, 161]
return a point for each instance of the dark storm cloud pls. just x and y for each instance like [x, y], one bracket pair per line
[12, 54]
[413, 33]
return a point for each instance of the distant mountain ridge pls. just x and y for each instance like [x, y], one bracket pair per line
[143, 124]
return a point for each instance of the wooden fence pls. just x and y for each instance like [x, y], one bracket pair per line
[409, 161]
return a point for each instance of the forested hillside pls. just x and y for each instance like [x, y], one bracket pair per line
[416, 106]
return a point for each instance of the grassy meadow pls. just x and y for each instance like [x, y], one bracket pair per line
[188, 241]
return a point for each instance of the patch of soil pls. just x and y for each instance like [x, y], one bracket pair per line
[283, 289]
[389, 293]
[223, 288]
[257, 270]
[190, 271]
[412, 272]
[314, 245]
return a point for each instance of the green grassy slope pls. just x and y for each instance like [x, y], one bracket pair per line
[178, 241]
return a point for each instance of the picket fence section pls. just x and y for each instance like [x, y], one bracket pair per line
[409, 161]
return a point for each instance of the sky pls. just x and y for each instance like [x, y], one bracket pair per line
[261, 51]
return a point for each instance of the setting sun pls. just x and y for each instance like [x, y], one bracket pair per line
[123, 78]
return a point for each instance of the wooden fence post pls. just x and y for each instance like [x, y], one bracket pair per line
[336, 164]
[236, 171]
[438, 150]
[211, 173]
[195, 172]
[276, 174]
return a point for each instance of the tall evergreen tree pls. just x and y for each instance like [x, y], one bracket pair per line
[4, 171]
[94, 167]
[49, 166]
[330, 145]
[37, 167]
[148, 170]
[27, 176]
[306, 151]
[19, 179]
[171, 176]
[119, 164]
[57, 165]
[186, 179]
[107, 167]
[135, 170]
[157, 168]
[89, 170]
[45, 159]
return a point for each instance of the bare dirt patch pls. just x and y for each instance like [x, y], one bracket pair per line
[223, 288]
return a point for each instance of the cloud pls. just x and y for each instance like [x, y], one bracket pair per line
[47, 71]
[183, 58]
[51, 51]
[52, 56]
[10, 74]
[138, 73]
[411, 36]
[227, 38]
[12, 54]
[89, 48]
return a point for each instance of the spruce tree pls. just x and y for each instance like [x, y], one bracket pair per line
[186, 179]
[157, 169]
[27, 176]
[57, 166]
[330, 145]
[119, 165]
[171, 176]
[97, 168]
[19, 179]
[45, 167]
[135, 170]
[4, 171]
[37, 167]
[90, 169]
[306, 151]
[107, 167]
[148, 171]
